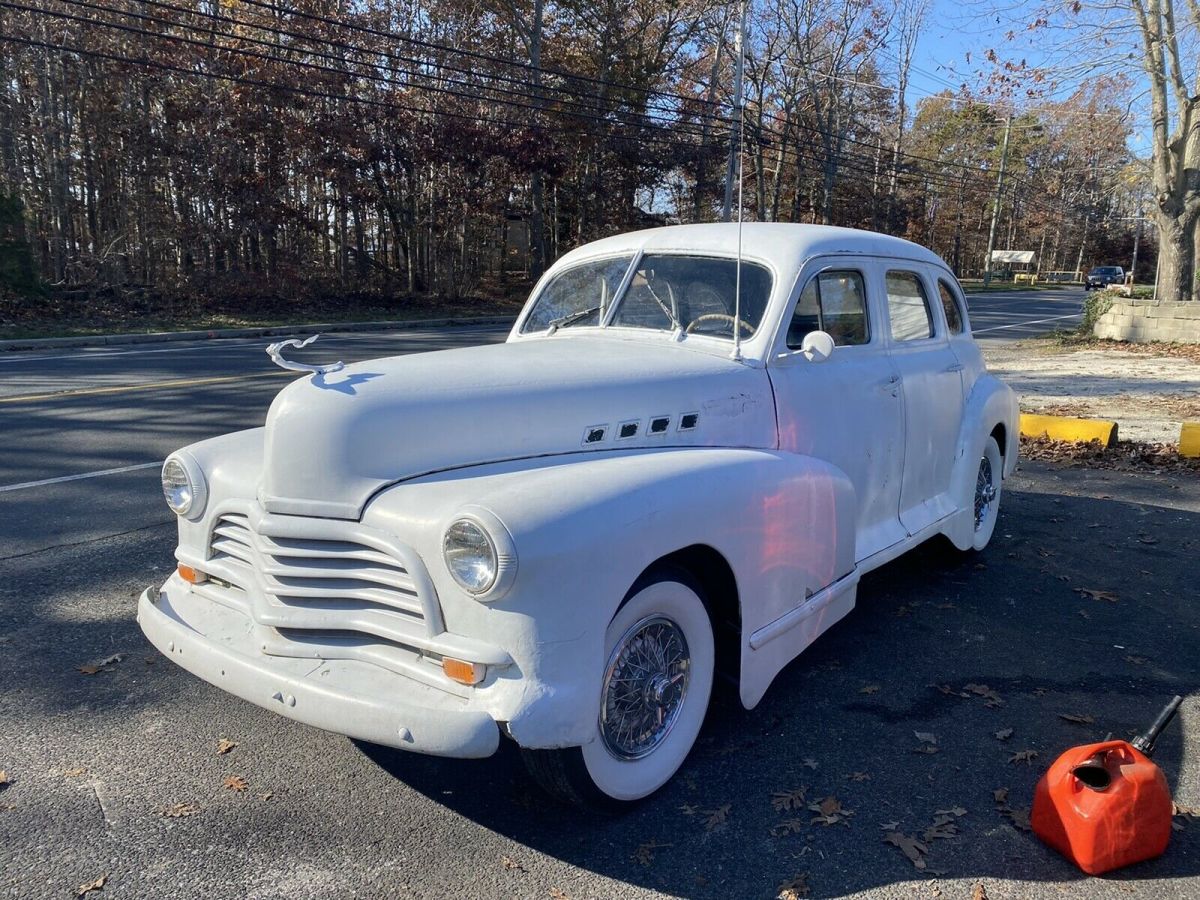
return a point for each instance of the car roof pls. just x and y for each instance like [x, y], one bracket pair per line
[785, 243]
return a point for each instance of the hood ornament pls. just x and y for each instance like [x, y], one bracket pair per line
[275, 351]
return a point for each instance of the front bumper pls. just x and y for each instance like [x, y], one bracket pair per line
[343, 696]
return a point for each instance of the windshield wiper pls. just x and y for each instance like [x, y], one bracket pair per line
[572, 318]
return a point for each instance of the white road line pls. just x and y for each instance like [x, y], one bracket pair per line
[61, 479]
[1027, 322]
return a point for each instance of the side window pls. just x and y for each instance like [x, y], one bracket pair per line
[908, 307]
[950, 305]
[834, 302]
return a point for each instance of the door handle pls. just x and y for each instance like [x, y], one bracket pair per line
[955, 367]
[889, 384]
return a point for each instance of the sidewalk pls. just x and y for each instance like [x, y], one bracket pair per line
[1149, 393]
[103, 340]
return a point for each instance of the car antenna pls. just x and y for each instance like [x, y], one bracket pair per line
[740, 102]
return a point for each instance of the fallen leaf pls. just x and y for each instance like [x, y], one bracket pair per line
[1025, 756]
[556, 894]
[1003, 734]
[982, 690]
[784, 800]
[1000, 795]
[224, 746]
[88, 886]
[829, 812]
[909, 846]
[858, 776]
[925, 737]
[793, 889]
[1077, 719]
[1136, 660]
[93, 668]
[689, 809]
[267, 796]
[942, 828]
[236, 783]
[4, 781]
[179, 810]
[787, 826]
[511, 864]
[644, 854]
[890, 826]
[958, 812]
[75, 772]
[869, 689]
[1098, 595]
[810, 762]
[1177, 826]
[979, 892]
[716, 816]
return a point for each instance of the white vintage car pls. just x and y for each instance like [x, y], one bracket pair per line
[563, 538]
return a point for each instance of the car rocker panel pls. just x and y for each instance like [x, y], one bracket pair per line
[560, 539]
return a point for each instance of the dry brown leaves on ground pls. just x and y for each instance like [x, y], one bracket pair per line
[180, 810]
[794, 888]
[75, 772]
[236, 783]
[785, 800]
[4, 782]
[1124, 455]
[990, 698]
[979, 892]
[644, 854]
[100, 665]
[829, 811]
[1025, 756]
[928, 742]
[559, 894]
[1003, 734]
[1094, 594]
[511, 864]
[716, 817]
[1019, 816]
[224, 746]
[95, 885]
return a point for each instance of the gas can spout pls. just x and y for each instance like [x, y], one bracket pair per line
[1145, 742]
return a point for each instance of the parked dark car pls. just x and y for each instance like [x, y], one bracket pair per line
[1102, 276]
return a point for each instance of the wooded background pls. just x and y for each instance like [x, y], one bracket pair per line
[241, 151]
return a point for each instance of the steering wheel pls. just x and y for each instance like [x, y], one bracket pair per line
[713, 317]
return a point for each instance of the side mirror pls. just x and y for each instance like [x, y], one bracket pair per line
[817, 346]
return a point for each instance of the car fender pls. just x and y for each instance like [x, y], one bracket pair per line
[990, 403]
[585, 528]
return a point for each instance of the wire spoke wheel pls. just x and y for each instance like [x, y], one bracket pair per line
[985, 492]
[645, 685]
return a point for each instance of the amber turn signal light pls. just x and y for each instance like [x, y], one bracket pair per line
[191, 576]
[461, 671]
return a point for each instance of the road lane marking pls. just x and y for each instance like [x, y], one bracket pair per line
[150, 386]
[1023, 324]
[62, 478]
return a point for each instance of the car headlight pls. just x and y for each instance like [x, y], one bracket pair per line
[480, 555]
[183, 486]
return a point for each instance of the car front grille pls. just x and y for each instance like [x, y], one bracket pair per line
[327, 589]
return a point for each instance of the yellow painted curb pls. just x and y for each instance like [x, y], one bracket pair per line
[1189, 439]
[1066, 428]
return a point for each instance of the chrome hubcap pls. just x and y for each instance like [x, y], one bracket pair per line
[644, 687]
[985, 492]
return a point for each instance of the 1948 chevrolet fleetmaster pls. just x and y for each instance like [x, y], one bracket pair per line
[680, 463]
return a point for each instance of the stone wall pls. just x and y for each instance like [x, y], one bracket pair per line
[1144, 320]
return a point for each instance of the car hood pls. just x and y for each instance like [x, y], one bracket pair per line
[332, 441]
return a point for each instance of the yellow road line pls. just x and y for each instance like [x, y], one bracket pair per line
[152, 386]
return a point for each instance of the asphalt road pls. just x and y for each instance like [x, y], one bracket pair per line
[92, 761]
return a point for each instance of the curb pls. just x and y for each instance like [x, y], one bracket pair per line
[1067, 428]
[104, 340]
[1189, 439]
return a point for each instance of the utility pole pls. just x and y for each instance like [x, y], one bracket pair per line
[735, 137]
[1137, 239]
[987, 263]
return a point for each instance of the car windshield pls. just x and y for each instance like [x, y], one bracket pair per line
[697, 294]
[1106, 270]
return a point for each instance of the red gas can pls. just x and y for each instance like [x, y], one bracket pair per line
[1103, 806]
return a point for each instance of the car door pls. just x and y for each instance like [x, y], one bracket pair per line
[931, 387]
[846, 409]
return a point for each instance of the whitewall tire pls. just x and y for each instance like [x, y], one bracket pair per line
[654, 693]
[988, 482]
